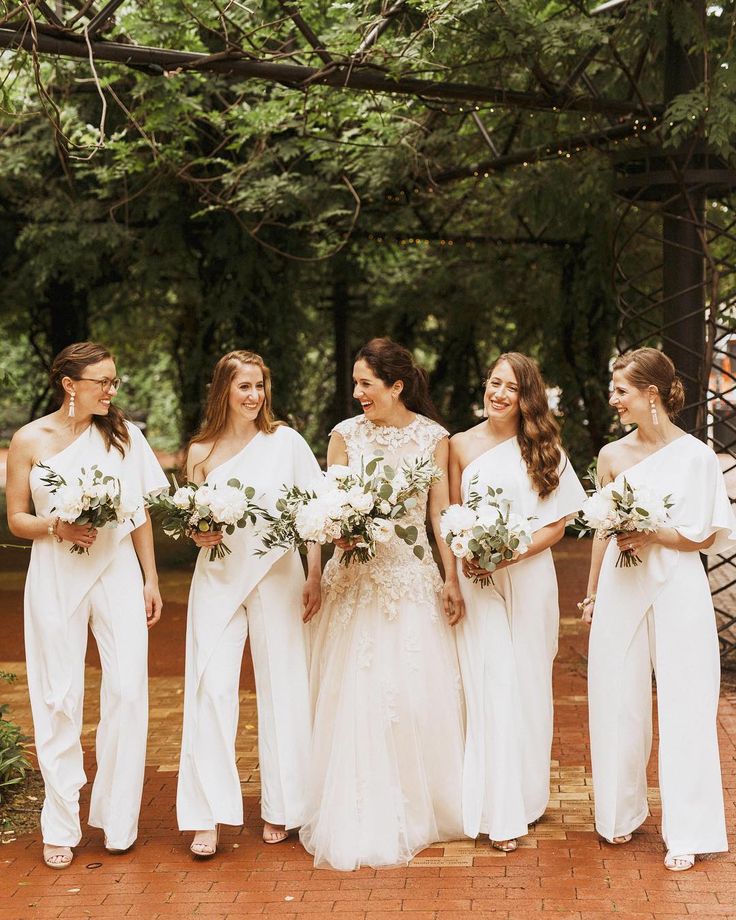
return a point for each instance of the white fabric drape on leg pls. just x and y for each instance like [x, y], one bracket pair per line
[507, 643]
[209, 786]
[660, 614]
[230, 598]
[64, 594]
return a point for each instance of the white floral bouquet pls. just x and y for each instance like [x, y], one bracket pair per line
[96, 499]
[485, 530]
[203, 509]
[612, 510]
[362, 506]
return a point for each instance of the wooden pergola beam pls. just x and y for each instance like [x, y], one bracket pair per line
[50, 41]
[548, 150]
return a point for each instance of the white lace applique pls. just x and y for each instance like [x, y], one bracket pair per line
[363, 438]
[395, 575]
[412, 647]
[390, 707]
[360, 790]
[364, 656]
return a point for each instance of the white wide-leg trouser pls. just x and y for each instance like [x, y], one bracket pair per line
[209, 791]
[683, 652]
[114, 610]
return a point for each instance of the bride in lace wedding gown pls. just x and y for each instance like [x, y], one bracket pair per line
[386, 768]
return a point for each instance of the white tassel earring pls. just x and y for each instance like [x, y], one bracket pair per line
[71, 406]
[653, 411]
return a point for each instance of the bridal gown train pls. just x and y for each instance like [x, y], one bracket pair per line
[387, 750]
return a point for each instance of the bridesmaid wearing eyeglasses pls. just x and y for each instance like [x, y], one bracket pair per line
[111, 587]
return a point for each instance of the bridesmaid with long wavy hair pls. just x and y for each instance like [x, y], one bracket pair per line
[508, 639]
[244, 594]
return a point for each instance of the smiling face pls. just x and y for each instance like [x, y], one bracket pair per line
[377, 399]
[631, 403]
[90, 396]
[501, 397]
[247, 393]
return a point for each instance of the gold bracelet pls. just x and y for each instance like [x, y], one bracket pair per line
[52, 530]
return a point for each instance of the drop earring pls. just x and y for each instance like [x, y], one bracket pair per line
[653, 411]
[71, 406]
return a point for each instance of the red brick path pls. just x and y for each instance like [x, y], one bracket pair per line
[562, 870]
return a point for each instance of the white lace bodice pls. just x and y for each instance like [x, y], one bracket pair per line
[364, 439]
[395, 571]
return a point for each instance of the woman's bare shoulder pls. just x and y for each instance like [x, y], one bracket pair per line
[466, 441]
[32, 434]
[613, 457]
[199, 450]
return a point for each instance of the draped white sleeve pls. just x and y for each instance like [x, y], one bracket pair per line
[57, 579]
[503, 466]
[704, 508]
[266, 463]
[660, 613]
[507, 643]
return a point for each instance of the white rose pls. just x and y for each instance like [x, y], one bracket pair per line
[459, 547]
[385, 507]
[382, 530]
[456, 519]
[400, 482]
[337, 472]
[310, 521]
[97, 490]
[648, 500]
[227, 505]
[203, 495]
[598, 508]
[129, 504]
[333, 504]
[333, 530]
[182, 497]
[487, 515]
[69, 503]
[359, 500]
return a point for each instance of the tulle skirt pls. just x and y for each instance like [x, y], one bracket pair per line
[385, 778]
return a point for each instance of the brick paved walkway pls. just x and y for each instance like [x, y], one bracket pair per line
[562, 870]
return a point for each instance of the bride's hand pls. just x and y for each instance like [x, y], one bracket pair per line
[452, 601]
[346, 543]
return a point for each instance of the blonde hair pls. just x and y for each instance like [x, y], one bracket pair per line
[649, 367]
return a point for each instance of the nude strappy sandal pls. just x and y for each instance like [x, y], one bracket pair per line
[205, 850]
[679, 863]
[59, 860]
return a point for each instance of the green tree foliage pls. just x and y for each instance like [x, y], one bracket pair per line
[178, 214]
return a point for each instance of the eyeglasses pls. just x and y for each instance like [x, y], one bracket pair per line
[105, 383]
